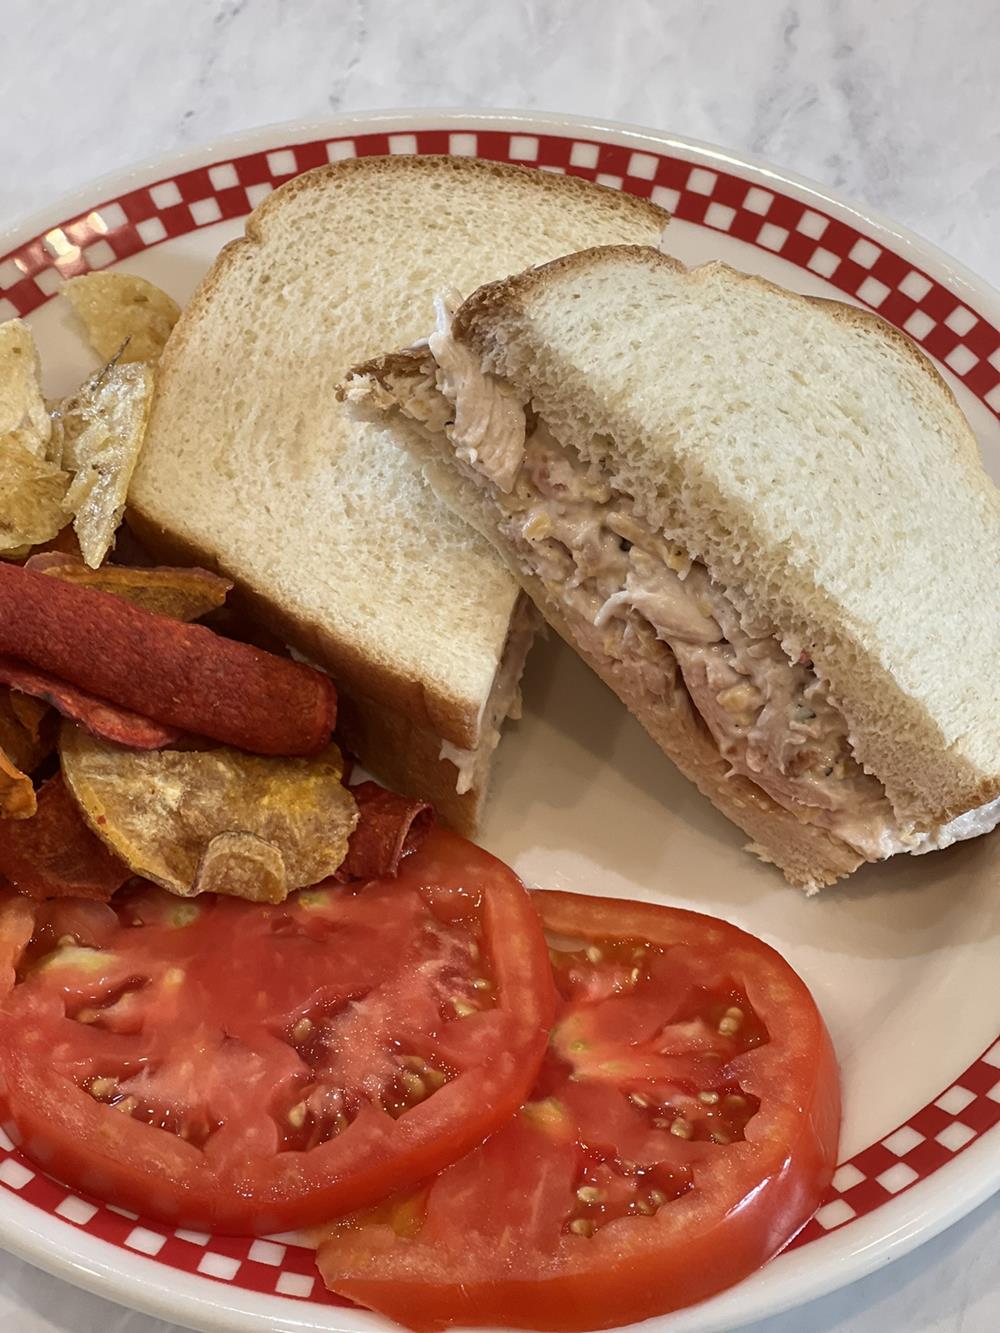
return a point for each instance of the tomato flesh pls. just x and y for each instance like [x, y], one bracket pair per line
[682, 1129]
[238, 1067]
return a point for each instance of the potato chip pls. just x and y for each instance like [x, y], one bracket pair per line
[121, 308]
[32, 495]
[101, 430]
[184, 593]
[243, 866]
[17, 791]
[23, 413]
[162, 813]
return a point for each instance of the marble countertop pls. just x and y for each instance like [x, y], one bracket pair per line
[895, 103]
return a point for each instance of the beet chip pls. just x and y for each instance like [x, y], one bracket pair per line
[54, 854]
[389, 826]
[183, 676]
[100, 718]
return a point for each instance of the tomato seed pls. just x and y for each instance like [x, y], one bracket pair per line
[709, 1098]
[414, 1085]
[589, 1194]
[302, 1029]
[297, 1115]
[581, 1227]
[594, 954]
[681, 1128]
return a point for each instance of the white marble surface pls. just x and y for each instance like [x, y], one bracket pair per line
[895, 102]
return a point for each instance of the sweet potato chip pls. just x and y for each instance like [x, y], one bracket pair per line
[163, 812]
[121, 308]
[101, 429]
[26, 734]
[183, 593]
[23, 413]
[101, 718]
[32, 495]
[17, 791]
[33, 715]
[55, 855]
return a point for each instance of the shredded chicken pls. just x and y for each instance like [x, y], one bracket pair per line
[488, 431]
[634, 598]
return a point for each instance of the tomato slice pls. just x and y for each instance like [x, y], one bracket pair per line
[682, 1129]
[244, 1068]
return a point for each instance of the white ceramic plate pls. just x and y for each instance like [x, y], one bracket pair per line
[902, 960]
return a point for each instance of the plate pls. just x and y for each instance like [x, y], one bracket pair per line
[902, 959]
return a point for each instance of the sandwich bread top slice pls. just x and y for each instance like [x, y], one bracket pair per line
[250, 463]
[808, 541]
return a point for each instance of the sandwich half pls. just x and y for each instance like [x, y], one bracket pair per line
[761, 518]
[251, 465]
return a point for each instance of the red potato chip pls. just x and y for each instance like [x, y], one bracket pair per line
[389, 826]
[180, 593]
[102, 719]
[17, 791]
[54, 854]
[164, 814]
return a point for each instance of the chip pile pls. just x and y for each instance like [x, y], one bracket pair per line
[135, 741]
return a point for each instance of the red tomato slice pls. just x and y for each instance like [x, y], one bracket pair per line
[682, 1129]
[236, 1067]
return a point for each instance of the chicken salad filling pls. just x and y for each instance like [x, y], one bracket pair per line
[634, 599]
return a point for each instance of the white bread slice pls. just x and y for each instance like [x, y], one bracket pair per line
[251, 465]
[813, 459]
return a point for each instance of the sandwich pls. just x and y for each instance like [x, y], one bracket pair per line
[333, 539]
[761, 518]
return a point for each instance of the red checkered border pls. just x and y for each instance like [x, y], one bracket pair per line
[709, 197]
[963, 340]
